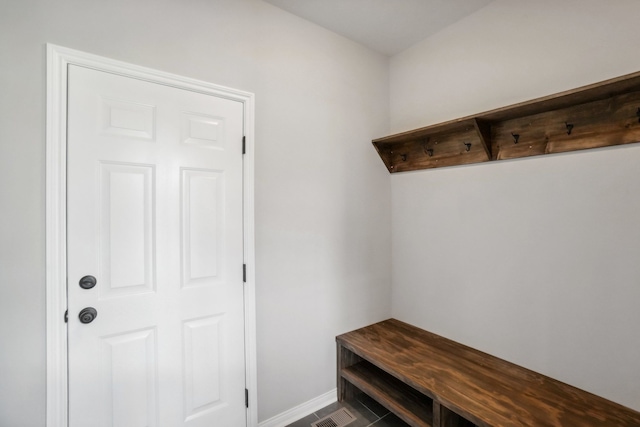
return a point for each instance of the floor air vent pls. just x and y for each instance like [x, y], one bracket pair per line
[340, 418]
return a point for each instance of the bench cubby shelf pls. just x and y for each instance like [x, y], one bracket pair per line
[431, 381]
[599, 115]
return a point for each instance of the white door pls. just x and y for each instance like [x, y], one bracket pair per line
[154, 193]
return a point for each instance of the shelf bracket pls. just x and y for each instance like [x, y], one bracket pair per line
[483, 130]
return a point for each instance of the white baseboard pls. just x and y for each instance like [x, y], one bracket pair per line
[301, 411]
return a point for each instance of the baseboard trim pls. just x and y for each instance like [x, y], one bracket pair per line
[301, 411]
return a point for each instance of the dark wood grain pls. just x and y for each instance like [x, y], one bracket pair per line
[346, 358]
[443, 148]
[603, 114]
[603, 123]
[408, 404]
[482, 389]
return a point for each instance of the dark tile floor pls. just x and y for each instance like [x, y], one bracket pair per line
[367, 411]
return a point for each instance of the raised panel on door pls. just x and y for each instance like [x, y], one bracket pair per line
[127, 261]
[203, 130]
[130, 364]
[204, 360]
[202, 226]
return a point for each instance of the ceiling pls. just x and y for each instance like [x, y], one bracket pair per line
[387, 26]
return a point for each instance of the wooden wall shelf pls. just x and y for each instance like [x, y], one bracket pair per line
[599, 115]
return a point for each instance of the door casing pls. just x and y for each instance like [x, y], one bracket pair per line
[58, 59]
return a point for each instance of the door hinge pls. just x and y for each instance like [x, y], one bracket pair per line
[66, 316]
[246, 397]
[244, 145]
[244, 273]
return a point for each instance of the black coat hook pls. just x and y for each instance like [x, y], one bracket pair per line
[569, 127]
[403, 157]
[516, 137]
[468, 145]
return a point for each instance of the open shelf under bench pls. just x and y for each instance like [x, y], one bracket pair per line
[599, 115]
[410, 405]
[428, 380]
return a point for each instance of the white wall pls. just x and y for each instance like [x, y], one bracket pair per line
[533, 260]
[322, 197]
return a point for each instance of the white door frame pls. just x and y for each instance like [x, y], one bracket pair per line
[58, 60]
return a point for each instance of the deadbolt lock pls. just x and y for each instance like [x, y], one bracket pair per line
[88, 282]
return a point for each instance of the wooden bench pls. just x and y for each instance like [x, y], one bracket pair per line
[428, 380]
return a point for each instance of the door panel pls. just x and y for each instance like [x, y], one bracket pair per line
[202, 226]
[154, 192]
[131, 365]
[203, 364]
[126, 229]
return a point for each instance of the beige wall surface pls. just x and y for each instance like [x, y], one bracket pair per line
[322, 197]
[532, 260]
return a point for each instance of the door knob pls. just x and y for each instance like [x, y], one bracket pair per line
[88, 314]
[88, 282]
